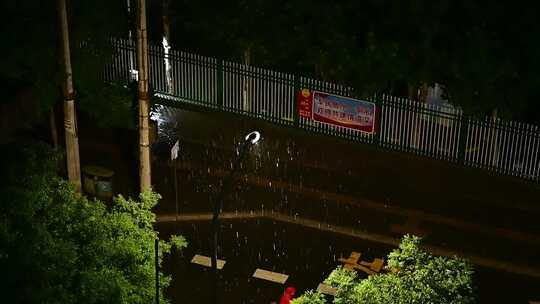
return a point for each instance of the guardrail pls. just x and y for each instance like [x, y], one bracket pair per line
[442, 132]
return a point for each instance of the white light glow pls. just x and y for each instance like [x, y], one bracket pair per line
[256, 139]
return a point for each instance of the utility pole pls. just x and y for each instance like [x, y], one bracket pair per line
[70, 116]
[144, 100]
[167, 44]
[132, 71]
[166, 21]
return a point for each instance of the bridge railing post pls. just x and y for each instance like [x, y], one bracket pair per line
[296, 88]
[378, 100]
[220, 89]
[464, 128]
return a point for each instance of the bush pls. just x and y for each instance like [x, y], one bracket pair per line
[310, 297]
[57, 246]
[414, 276]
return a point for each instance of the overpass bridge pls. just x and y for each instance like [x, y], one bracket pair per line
[438, 131]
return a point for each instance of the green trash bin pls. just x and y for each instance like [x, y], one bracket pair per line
[97, 182]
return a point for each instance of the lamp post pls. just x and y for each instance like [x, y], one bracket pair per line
[250, 140]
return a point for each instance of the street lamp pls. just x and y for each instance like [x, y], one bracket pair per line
[250, 140]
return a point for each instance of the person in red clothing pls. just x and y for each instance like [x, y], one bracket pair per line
[287, 295]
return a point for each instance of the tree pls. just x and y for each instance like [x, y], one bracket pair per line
[93, 24]
[414, 276]
[28, 55]
[57, 246]
[31, 55]
[380, 46]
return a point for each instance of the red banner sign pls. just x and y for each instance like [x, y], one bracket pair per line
[305, 104]
[337, 110]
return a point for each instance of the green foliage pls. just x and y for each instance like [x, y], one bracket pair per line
[341, 278]
[414, 276]
[427, 278]
[420, 278]
[344, 280]
[179, 242]
[56, 246]
[310, 297]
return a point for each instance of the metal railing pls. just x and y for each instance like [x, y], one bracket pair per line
[443, 132]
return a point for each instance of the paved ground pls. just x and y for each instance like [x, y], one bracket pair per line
[325, 180]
